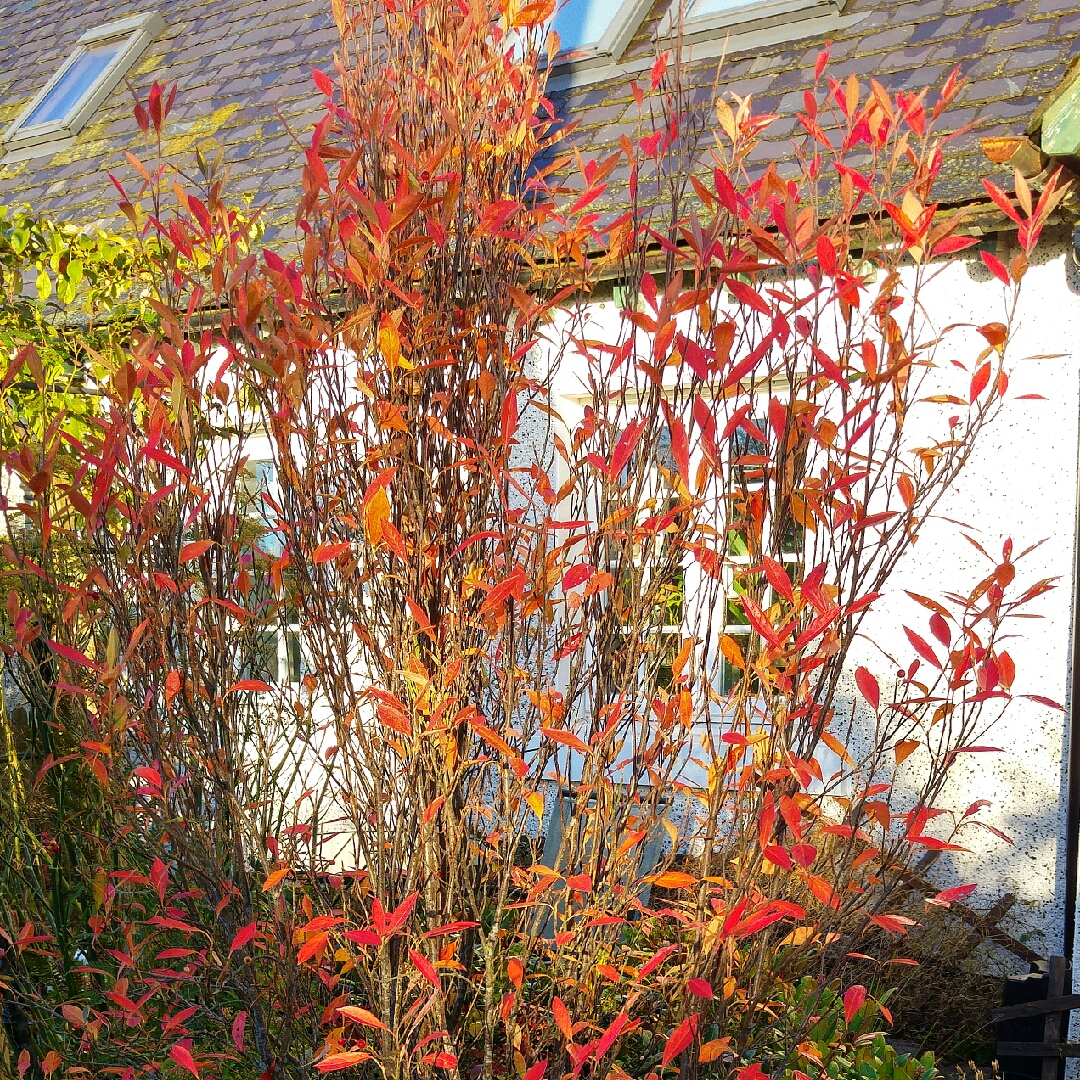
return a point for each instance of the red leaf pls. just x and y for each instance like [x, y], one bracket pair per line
[853, 1001]
[940, 629]
[238, 1026]
[746, 295]
[953, 243]
[680, 444]
[73, 656]
[680, 1039]
[243, 936]
[450, 928]
[922, 648]
[312, 946]
[979, 381]
[957, 892]
[826, 255]
[363, 937]
[776, 577]
[255, 685]
[995, 266]
[700, 988]
[1003, 201]
[624, 448]
[659, 67]
[182, 1056]
[536, 1072]
[869, 688]
[423, 965]
[576, 575]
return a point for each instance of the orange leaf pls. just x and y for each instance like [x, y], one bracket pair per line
[195, 549]
[710, 1051]
[674, 879]
[324, 553]
[515, 971]
[345, 1060]
[904, 749]
[312, 946]
[362, 1016]
[566, 738]
[376, 512]
[562, 1019]
[274, 877]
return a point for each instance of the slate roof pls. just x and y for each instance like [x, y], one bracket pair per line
[241, 63]
[243, 69]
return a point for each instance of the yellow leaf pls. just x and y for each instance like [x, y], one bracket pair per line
[536, 803]
[726, 118]
[390, 347]
[729, 987]
[904, 749]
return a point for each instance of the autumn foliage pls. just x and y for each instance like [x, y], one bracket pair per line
[507, 725]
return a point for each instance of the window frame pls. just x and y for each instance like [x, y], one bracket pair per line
[624, 24]
[139, 30]
[751, 15]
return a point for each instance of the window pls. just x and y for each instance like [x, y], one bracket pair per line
[67, 101]
[705, 16]
[749, 452]
[596, 29]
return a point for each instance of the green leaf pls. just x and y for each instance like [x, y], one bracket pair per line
[44, 285]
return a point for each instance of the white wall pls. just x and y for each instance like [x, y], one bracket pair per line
[1021, 483]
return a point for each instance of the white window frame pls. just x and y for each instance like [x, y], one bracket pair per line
[754, 25]
[752, 15]
[620, 32]
[139, 30]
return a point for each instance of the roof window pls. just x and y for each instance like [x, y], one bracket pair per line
[596, 29]
[101, 58]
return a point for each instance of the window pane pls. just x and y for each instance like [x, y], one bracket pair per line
[582, 23]
[75, 84]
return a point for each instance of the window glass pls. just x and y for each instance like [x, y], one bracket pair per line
[582, 23]
[74, 84]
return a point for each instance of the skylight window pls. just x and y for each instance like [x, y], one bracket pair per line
[101, 58]
[703, 15]
[597, 28]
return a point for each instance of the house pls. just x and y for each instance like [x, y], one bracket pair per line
[244, 88]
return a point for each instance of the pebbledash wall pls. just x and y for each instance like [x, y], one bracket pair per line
[1020, 483]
